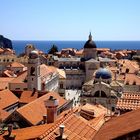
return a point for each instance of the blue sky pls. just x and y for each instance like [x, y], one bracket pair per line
[70, 19]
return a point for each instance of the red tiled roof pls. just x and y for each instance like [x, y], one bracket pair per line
[1, 50]
[28, 96]
[28, 132]
[131, 78]
[20, 78]
[9, 73]
[103, 49]
[75, 128]
[34, 132]
[126, 104]
[16, 65]
[119, 126]
[46, 70]
[7, 98]
[132, 96]
[4, 81]
[37, 108]
[131, 65]
[97, 109]
[3, 114]
[79, 52]
[129, 101]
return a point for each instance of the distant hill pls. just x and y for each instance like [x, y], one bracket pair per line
[5, 42]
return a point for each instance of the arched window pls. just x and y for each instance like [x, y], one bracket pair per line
[97, 94]
[103, 94]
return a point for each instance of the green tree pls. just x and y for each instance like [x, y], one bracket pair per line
[53, 49]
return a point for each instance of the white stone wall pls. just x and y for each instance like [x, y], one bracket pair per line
[52, 83]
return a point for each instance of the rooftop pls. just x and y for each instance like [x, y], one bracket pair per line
[7, 98]
[28, 96]
[29, 110]
[119, 126]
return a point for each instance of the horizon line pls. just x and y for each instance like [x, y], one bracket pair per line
[69, 40]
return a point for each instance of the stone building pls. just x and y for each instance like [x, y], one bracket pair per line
[81, 69]
[102, 90]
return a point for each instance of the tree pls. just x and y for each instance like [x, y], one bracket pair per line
[53, 49]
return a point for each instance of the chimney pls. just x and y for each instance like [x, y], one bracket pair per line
[51, 106]
[44, 119]
[61, 130]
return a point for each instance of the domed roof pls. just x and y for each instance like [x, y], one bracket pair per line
[90, 43]
[103, 73]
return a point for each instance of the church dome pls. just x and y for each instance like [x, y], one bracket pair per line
[90, 43]
[103, 73]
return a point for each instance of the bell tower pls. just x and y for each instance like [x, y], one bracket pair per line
[90, 50]
[33, 73]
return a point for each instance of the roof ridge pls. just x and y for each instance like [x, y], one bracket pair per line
[33, 101]
[62, 120]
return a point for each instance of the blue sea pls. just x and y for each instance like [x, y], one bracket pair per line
[19, 46]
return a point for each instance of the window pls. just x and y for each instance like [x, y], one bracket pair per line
[134, 83]
[32, 72]
[61, 85]
[103, 94]
[97, 94]
[113, 109]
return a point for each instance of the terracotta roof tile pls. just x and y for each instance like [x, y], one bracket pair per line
[29, 132]
[7, 98]
[131, 78]
[9, 73]
[103, 49]
[1, 50]
[3, 114]
[79, 52]
[16, 65]
[37, 108]
[73, 131]
[20, 78]
[96, 109]
[4, 81]
[28, 96]
[47, 70]
[131, 65]
[119, 126]
[128, 104]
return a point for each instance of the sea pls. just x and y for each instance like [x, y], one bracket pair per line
[19, 46]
